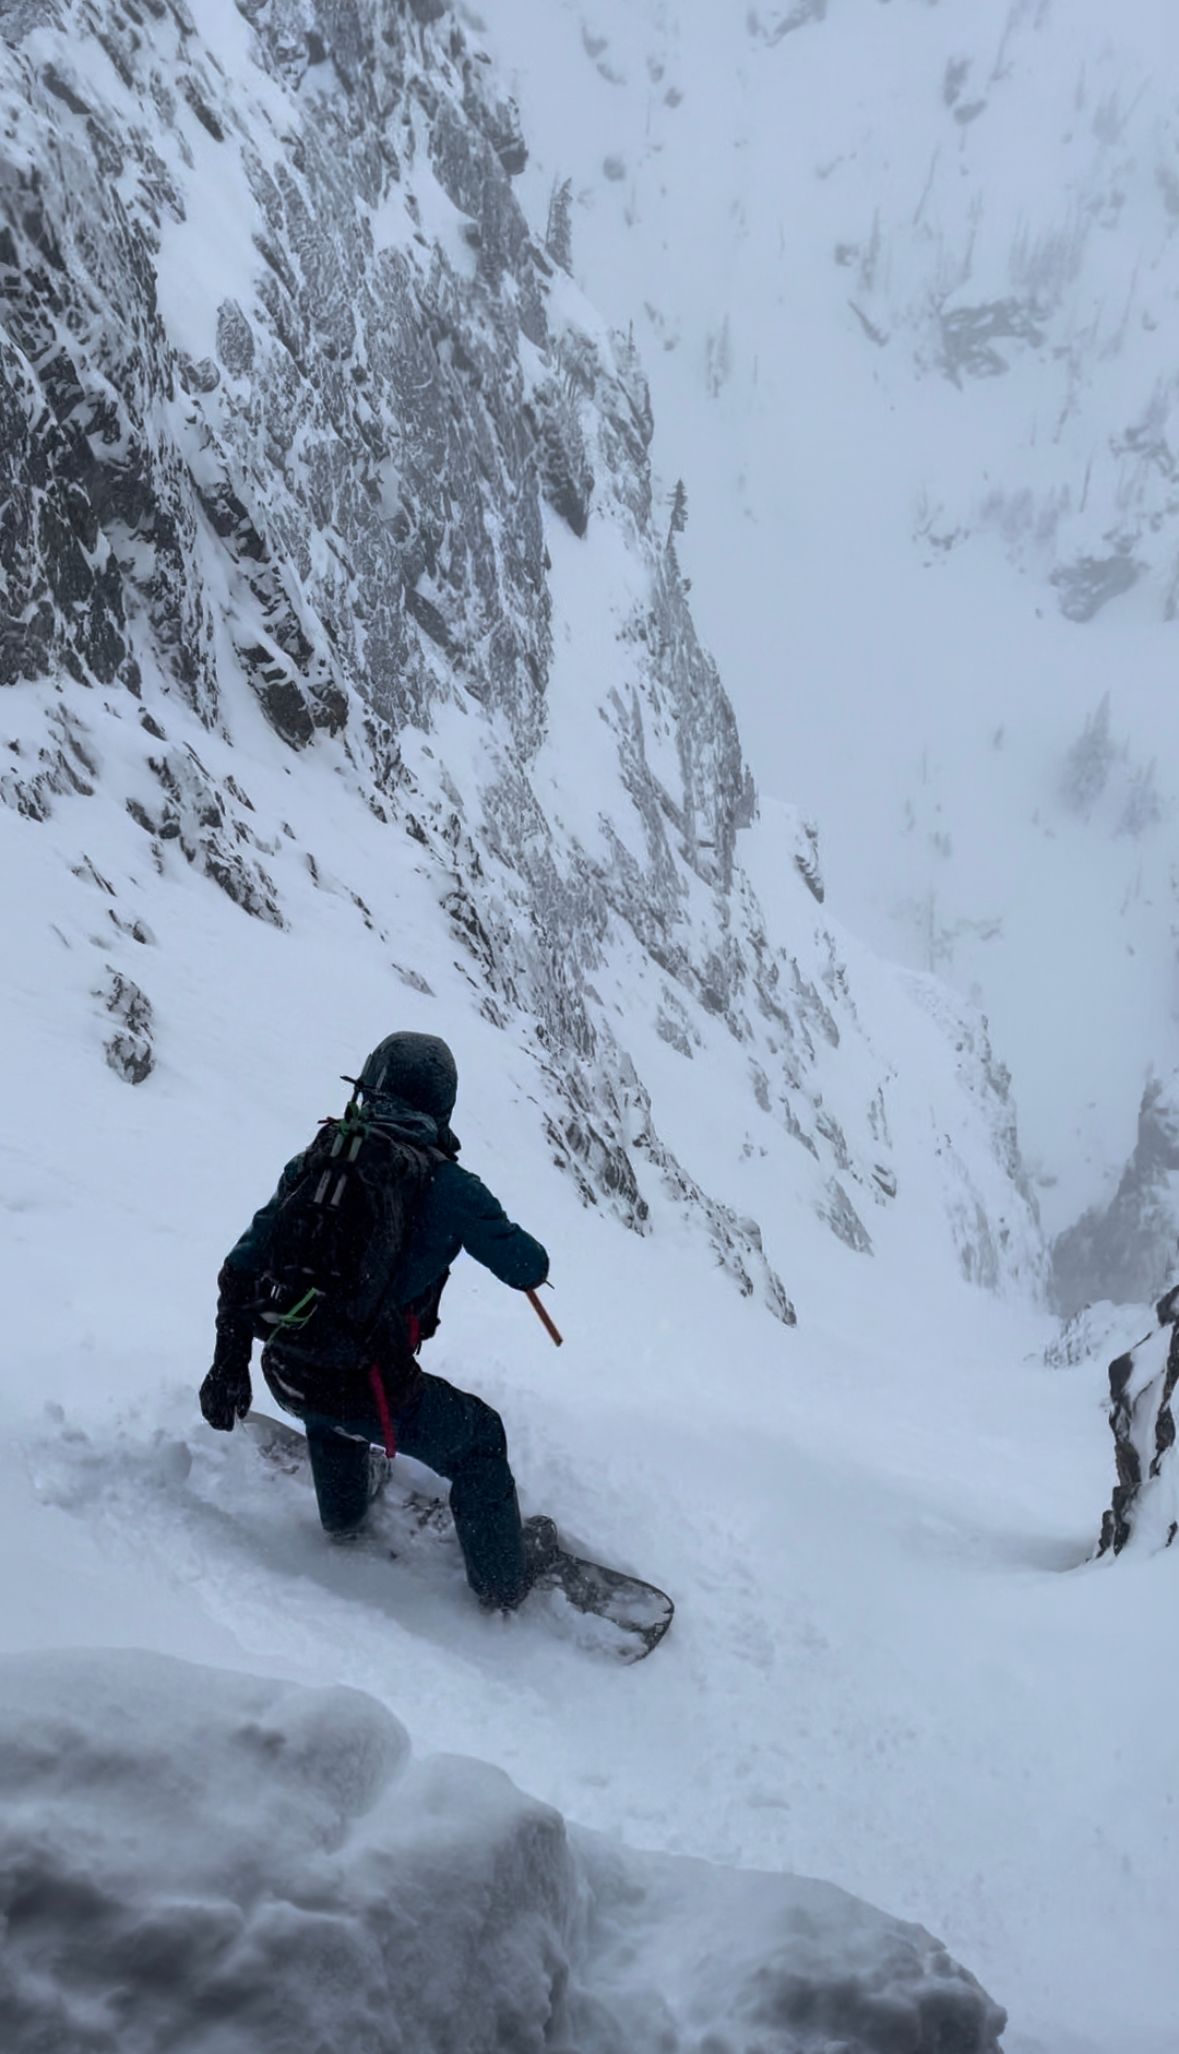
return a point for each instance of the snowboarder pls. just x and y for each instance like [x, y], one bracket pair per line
[405, 1096]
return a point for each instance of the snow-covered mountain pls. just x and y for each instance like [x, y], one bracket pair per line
[302, 420]
[903, 277]
[354, 679]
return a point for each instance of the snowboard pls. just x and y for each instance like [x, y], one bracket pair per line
[632, 1616]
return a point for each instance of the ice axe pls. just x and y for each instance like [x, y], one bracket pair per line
[544, 1319]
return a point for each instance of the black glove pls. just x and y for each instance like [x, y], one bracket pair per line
[226, 1391]
[225, 1394]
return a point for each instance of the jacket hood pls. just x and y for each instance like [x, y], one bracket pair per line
[416, 1070]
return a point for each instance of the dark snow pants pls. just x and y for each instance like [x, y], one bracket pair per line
[460, 1437]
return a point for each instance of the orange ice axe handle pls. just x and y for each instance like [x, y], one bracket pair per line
[544, 1319]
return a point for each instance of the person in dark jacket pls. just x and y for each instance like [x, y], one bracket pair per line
[410, 1082]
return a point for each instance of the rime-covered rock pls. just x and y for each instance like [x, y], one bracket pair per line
[129, 1050]
[1125, 1251]
[1142, 1386]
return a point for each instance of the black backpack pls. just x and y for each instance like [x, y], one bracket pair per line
[325, 1308]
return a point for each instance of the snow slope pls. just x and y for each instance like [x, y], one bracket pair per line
[890, 1667]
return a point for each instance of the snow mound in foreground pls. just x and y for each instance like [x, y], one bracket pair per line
[201, 1860]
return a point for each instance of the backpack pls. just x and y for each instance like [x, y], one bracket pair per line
[325, 1310]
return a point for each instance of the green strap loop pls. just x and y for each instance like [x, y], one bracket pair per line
[299, 1313]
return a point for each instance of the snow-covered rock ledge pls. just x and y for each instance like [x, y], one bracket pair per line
[1142, 1385]
[201, 1860]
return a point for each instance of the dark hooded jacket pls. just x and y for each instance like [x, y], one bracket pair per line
[409, 1082]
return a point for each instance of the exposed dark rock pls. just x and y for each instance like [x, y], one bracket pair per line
[279, 696]
[844, 1220]
[1126, 1251]
[64, 91]
[64, 765]
[198, 377]
[806, 861]
[598, 1165]
[778, 23]
[210, 834]
[1091, 582]
[414, 979]
[235, 339]
[566, 474]
[129, 1049]
[502, 127]
[63, 590]
[969, 336]
[201, 108]
[1142, 1386]
[431, 620]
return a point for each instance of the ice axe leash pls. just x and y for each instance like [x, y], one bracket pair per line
[544, 1319]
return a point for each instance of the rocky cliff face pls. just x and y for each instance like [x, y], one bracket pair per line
[1126, 1251]
[1145, 1504]
[299, 418]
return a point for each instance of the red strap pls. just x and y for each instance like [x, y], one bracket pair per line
[381, 1398]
